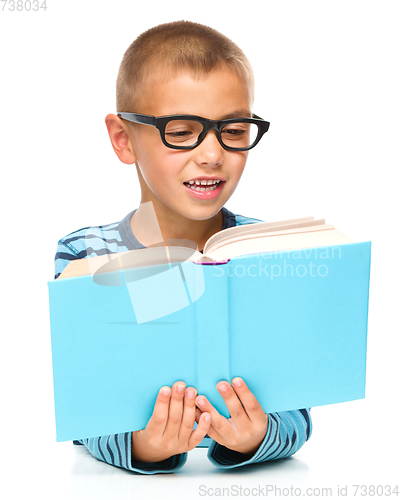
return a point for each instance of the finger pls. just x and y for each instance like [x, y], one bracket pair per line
[219, 423]
[158, 421]
[212, 433]
[188, 418]
[175, 410]
[237, 413]
[251, 405]
[201, 430]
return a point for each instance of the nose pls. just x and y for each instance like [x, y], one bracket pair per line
[209, 151]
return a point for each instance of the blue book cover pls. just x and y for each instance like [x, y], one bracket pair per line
[292, 324]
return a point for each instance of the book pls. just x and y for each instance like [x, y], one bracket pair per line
[284, 305]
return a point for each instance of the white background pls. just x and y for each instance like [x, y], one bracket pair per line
[328, 79]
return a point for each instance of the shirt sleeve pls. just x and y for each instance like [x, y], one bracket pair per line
[116, 450]
[65, 254]
[287, 432]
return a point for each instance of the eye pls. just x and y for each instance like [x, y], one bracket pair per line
[180, 136]
[179, 133]
[233, 131]
[239, 134]
[182, 131]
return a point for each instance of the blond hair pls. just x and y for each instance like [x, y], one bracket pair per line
[168, 48]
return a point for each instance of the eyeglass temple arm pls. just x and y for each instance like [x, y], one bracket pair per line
[137, 118]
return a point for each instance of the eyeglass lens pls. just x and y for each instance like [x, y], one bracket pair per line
[186, 133]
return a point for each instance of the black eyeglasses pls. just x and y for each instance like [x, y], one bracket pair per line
[188, 131]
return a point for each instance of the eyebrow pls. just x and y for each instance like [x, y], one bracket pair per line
[243, 113]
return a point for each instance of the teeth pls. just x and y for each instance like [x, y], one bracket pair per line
[195, 185]
[204, 182]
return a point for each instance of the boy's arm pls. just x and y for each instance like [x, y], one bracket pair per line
[116, 450]
[287, 432]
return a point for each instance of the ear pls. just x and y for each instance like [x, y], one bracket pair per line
[120, 139]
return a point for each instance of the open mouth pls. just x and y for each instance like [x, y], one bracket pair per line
[203, 185]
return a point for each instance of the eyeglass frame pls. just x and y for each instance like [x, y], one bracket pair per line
[160, 123]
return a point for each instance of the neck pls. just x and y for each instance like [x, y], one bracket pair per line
[152, 226]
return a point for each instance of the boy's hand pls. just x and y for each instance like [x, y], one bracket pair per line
[170, 428]
[246, 428]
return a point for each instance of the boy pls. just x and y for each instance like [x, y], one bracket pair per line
[188, 167]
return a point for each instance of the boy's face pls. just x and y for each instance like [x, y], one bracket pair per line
[218, 95]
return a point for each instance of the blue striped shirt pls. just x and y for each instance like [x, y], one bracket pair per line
[287, 431]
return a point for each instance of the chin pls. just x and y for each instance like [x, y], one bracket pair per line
[202, 213]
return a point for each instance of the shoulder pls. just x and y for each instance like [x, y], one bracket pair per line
[231, 220]
[87, 242]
